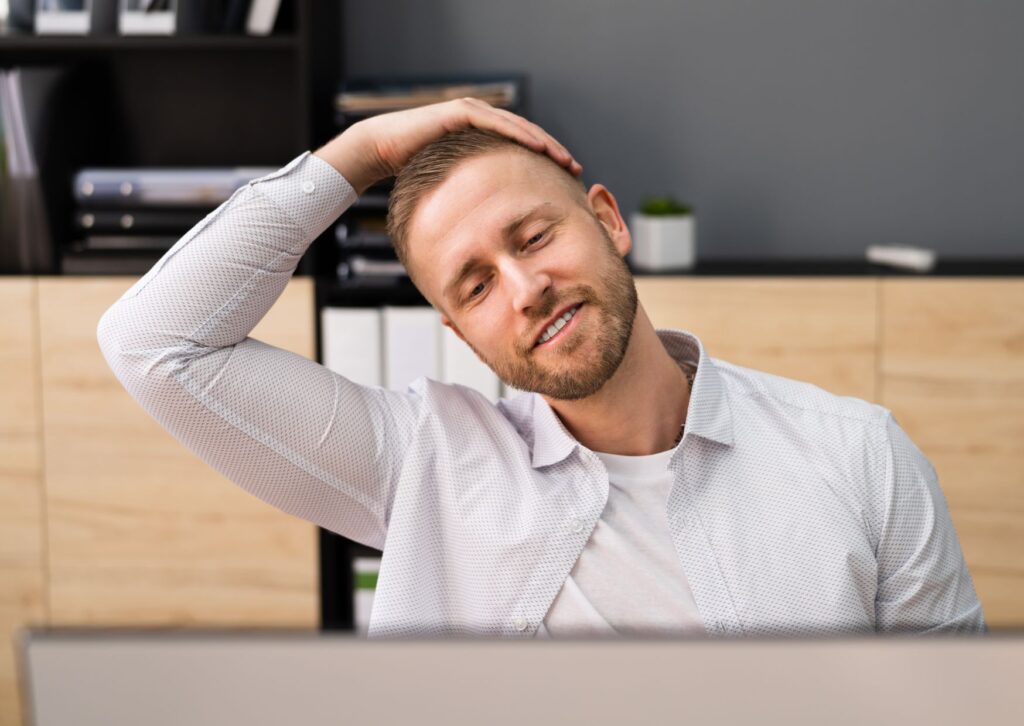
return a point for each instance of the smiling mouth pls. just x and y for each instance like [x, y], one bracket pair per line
[555, 329]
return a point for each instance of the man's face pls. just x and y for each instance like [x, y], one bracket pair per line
[504, 248]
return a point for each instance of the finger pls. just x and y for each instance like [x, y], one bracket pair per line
[537, 138]
[482, 115]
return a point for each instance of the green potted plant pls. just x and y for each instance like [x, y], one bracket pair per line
[664, 235]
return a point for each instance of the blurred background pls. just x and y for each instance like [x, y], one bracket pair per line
[827, 191]
[795, 129]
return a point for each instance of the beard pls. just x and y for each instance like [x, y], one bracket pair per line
[611, 311]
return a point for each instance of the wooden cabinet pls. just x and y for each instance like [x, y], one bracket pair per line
[952, 371]
[105, 519]
[22, 531]
[142, 531]
[821, 330]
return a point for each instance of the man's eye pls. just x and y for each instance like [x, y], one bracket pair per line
[535, 239]
[476, 290]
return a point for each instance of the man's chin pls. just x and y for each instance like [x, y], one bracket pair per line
[562, 384]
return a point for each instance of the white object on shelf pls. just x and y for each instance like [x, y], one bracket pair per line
[663, 242]
[459, 364]
[132, 19]
[262, 15]
[393, 346]
[351, 343]
[53, 19]
[902, 256]
[412, 345]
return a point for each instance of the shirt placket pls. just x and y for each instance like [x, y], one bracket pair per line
[575, 522]
[700, 565]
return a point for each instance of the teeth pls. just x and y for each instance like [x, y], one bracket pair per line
[558, 325]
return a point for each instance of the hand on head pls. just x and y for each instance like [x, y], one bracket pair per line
[379, 146]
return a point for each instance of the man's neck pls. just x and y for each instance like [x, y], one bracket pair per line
[640, 409]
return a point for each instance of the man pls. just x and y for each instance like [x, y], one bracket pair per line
[641, 487]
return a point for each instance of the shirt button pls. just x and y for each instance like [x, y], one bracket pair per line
[308, 187]
[520, 624]
[577, 525]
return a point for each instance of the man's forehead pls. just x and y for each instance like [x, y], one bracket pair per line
[482, 194]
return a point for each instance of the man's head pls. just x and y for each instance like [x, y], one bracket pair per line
[501, 240]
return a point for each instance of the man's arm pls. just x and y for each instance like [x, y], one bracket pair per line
[283, 427]
[923, 582]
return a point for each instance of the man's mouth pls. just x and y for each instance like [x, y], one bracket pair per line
[557, 325]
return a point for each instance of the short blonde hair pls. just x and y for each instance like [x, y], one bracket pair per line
[432, 164]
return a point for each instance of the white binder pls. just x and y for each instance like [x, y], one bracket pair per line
[351, 343]
[461, 365]
[412, 345]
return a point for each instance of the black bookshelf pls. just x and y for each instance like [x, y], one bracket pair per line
[183, 100]
[196, 100]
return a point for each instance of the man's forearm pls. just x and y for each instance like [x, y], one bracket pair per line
[352, 156]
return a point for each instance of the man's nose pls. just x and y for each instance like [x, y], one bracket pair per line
[528, 284]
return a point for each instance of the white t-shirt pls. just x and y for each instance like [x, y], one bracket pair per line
[629, 580]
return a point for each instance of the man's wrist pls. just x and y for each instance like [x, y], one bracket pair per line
[352, 157]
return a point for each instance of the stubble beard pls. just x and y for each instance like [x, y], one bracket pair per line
[566, 375]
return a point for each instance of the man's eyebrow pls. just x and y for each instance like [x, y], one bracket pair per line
[508, 231]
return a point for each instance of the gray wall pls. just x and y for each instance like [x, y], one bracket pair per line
[795, 128]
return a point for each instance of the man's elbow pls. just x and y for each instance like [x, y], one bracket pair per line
[109, 335]
[139, 357]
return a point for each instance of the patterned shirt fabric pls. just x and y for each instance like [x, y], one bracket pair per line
[792, 511]
[629, 580]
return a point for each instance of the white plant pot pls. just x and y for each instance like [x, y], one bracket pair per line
[663, 242]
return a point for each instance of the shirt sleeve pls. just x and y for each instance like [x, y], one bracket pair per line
[923, 582]
[286, 429]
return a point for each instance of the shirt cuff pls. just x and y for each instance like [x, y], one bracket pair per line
[310, 190]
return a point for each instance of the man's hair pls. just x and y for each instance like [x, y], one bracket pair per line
[432, 164]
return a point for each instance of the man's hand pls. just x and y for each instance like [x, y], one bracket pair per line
[379, 146]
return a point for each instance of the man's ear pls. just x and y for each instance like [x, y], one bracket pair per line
[606, 209]
[449, 324]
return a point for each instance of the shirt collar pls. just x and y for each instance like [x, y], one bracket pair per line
[709, 415]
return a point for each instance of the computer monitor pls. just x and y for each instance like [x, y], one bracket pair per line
[157, 678]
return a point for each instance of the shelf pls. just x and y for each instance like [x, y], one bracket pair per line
[15, 48]
[839, 267]
[367, 291]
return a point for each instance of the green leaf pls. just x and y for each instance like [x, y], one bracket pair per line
[658, 206]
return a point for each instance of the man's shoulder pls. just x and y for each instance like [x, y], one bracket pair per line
[743, 382]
